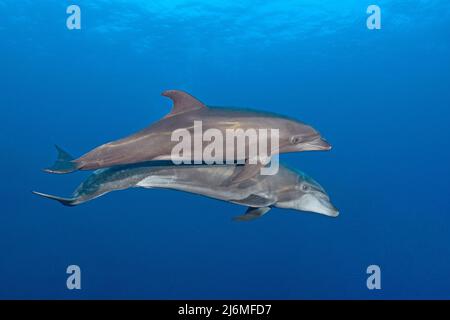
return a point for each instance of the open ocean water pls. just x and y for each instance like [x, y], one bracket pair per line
[381, 97]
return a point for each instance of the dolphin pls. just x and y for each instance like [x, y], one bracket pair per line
[155, 142]
[287, 189]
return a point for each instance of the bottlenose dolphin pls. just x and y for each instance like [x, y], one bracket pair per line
[155, 143]
[287, 189]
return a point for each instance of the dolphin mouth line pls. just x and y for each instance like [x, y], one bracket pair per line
[320, 144]
[330, 209]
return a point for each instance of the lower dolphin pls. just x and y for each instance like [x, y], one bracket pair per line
[287, 189]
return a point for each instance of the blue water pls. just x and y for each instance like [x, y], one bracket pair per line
[381, 97]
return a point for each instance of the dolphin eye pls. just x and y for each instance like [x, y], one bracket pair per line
[296, 139]
[305, 187]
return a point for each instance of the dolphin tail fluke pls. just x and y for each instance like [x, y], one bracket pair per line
[63, 164]
[70, 202]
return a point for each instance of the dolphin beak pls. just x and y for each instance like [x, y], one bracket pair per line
[329, 209]
[317, 144]
[322, 144]
[325, 207]
[318, 203]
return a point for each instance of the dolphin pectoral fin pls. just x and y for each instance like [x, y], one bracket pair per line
[252, 214]
[256, 201]
[182, 102]
[245, 172]
[63, 163]
[70, 202]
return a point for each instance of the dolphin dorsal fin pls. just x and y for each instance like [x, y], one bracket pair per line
[182, 102]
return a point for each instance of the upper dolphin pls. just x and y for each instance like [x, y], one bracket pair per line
[155, 143]
[286, 189]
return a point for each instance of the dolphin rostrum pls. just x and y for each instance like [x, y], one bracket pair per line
[286, 189]
[155, 142]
